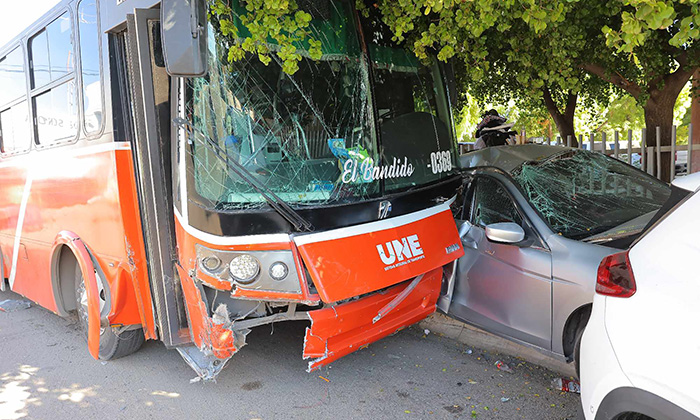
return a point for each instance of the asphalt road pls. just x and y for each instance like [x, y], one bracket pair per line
[47, 373]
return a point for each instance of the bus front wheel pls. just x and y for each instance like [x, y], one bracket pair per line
[112, 345]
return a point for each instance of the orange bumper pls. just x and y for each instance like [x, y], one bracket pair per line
[342, 329]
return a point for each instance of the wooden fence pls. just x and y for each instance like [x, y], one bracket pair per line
[601, 143]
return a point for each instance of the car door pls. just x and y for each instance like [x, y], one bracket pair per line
[503, 288]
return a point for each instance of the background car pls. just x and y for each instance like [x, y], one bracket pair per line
[640, 349]
[536, 222]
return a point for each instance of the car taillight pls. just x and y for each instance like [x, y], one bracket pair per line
[615, 276]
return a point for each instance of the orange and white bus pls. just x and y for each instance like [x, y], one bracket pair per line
[162, 192]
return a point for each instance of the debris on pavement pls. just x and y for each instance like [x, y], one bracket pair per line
[426, 331]
[505, 399]
[325, 379]
[567, 385]
[503, 366]
[468, 351]
[10, 305]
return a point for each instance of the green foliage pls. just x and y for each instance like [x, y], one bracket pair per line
[514, 48]
[507, 52]
[642, 17]
[278, 23]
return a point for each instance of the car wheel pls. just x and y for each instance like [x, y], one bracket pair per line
[112, 346]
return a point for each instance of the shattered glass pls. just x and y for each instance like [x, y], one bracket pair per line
[581, 194]
[413, 109]
[493, 204]
[311, 137]
[294, 133]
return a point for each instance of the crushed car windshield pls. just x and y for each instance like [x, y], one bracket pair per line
[311, 137]
[581, 194]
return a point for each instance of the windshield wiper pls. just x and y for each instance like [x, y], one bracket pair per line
[299, 223]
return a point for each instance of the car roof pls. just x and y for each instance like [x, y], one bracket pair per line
[688, 182]
[509, 158]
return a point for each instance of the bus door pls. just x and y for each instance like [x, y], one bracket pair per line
[150, 90]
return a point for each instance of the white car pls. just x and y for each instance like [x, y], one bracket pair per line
[640, 350]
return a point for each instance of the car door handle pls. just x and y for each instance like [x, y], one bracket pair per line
[469, 243]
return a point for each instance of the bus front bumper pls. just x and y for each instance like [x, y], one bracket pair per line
[339, 330]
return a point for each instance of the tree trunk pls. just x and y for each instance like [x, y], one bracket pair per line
[565, 126]
[659, 116]
[658, 112]
[563, 120]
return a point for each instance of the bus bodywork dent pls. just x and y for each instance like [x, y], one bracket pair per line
[215, 342]
[87, 267]
[337, 331]
[364, 298]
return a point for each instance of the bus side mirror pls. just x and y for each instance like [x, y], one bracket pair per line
[184, 36]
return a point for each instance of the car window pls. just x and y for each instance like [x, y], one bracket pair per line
[492, 204]
[580, 194]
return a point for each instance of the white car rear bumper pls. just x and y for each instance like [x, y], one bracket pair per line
[600, 369]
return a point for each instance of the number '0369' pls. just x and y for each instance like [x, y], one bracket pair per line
[441, 161]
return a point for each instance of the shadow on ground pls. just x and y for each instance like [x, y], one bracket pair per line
[46, 372]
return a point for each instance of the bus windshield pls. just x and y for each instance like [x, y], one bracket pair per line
[318, 137]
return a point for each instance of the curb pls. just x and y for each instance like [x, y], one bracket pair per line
[476, 337]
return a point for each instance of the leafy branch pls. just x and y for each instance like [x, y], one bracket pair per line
[266, 27]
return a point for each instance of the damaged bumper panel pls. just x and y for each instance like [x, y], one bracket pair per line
[206, 366]
[340, 330]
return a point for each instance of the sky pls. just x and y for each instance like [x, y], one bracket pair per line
[15, 15]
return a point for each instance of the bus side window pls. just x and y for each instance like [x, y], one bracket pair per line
[54, 93]
[90, 66]
[14, 115]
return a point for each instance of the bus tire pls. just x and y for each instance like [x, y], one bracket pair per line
[112, 346]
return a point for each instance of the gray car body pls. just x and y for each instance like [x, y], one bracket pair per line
[537, 289]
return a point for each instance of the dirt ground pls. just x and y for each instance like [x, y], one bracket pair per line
[47, 373]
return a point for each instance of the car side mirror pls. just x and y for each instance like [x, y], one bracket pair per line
[464, 228]
[505, 233]
[184, 37]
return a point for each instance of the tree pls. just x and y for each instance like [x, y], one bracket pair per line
[518, 65]
[647, 48]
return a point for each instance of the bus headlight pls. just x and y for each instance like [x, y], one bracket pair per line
[279, 270]
[263, 271]
[244, 268]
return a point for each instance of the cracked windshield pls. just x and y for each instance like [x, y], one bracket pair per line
[584, 195]
[316, 137]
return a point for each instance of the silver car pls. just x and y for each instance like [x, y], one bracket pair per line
[535, 222]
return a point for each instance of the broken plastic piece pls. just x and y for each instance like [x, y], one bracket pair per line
[505, 399]
[567, 385]
[206, 365]
[503, 367]
[11, 305]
